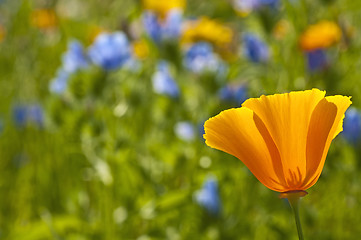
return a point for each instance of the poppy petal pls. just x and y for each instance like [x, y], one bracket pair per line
[322, 120]
[236, 132]
[342, 104]
[287, 117]
[325, 124]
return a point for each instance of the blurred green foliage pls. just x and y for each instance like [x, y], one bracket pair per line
[107, 163]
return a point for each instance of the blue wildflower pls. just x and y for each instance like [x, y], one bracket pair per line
[184, 131]
[24, 114]
[168, 29]
[152, 26]
[352, 126]
[59, 84]
[201, 58]
[255, 49]
[208, 196]
[201, 130]
[36, 115]
[269, 3]
[163, 83]
[173, 24]
[233, 93]
[110, 50]
[20, 115]
[316, 60]
[247, 6]
[74, 58]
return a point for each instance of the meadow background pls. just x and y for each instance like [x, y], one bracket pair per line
[113, 149]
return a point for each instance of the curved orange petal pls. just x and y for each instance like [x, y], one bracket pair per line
[287, 117]
[342, 103]
[236, 131]
[316, 154]
[322, 120]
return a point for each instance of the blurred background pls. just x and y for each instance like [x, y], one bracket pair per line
[103, 105]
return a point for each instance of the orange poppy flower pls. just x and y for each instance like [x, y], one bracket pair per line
[320, 35]
[283, 139]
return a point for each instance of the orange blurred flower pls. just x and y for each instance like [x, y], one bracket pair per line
[205, 29]
[320, 35]
[44, 18]
[2, 33]
[283, 139]
[162, 7]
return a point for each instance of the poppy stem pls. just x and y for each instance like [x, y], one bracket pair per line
[293, 198]
[294, 202]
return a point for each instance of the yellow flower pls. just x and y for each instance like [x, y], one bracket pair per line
[162, 7]
[205, 29]
[320, 35]
[283, 139]
[281, 29]
[44, 18]
[140, 49]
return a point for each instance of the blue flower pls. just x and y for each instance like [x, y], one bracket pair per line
[163, 83]
[233, 93]
[152, 26]
[24, 114]
[201, 130]
[20, 115]
[316, 60]
[247, 6]
[36, 115]
[208, 196]
[168, 29]
[184, 131]
[201, 58]
[255, 49]
[110, 50]
[59, 84]
[352, 126]
[74, 58]
[269, 3]
[173, 24]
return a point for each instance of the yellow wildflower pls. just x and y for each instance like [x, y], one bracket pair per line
[205, 29]
[44, 18]
[281, 29]
[140, 49]
[162, 7]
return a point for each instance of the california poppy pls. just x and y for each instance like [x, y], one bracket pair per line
[283, 139]
[320, 35]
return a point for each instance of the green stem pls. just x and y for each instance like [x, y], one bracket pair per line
[294, 202]
[293, 198]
